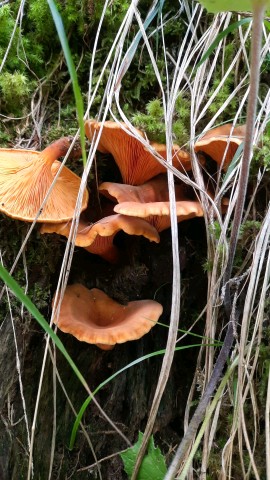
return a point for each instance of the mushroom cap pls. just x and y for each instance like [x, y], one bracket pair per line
[135, 162]
[93, 317]
[220, 140]
[98, 238]
[158, 213]
[155, 190]
[151, 201]
[64, 230]
[25, 178]
[106, 227]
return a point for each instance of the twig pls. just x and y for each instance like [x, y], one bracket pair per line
[82, 469]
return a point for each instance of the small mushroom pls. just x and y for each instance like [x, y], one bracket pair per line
[135, 162]
[158, 213]
[25, 178]
[155, 190]
[98, 238]
[93, 317]
[221, 143]
[151, 201]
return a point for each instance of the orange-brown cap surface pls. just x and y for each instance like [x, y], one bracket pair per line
[150, 201]
[221, 143]
[25, 178]
[155, 190]
[93, 317]
[158, 213]
[135, 162]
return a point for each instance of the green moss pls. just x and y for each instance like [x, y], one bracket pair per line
[35, 52]
[35, 48]
[153, 121]
[5, 138]
[207, 266]
[261, 154]
[15, 89]
[215, 229]
[249, 229]
[224, 62]
[221, 97]
[36, 269]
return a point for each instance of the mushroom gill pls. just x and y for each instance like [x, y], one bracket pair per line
[27, 175]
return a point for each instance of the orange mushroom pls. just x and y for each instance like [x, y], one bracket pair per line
[93, 317]
[151, 201]
[135, 162]
[155, 190]
[158, 213]
[98, 238]
[221, 143]
[25, 178]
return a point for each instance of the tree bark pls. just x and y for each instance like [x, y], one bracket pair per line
[145, 272]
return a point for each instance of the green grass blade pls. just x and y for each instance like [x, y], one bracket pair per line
[109, 379]
[234, 162]
[267, 25]
[72, 72]
[220, 36]
[192, 334]
[25, 300]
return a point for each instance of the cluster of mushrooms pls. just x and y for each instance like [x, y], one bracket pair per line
[139, 206]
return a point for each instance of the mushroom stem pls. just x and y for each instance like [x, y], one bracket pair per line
[55, 150]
